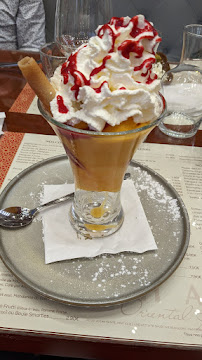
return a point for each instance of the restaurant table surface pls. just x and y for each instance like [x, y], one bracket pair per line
[11, 84]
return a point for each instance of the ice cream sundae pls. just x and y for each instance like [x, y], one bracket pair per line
[104, 101]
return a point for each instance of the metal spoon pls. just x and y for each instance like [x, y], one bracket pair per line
[16, 216]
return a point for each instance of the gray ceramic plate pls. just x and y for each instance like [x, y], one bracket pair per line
[106, 279]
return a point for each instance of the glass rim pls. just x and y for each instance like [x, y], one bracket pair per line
[50, 119]
[46, 45]
[190, 26]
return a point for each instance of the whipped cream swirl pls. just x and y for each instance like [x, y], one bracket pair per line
[110, 78]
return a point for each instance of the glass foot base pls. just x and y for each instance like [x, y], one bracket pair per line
[179, 126]
[95, 230]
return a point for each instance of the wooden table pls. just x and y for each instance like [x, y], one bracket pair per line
[11, 84]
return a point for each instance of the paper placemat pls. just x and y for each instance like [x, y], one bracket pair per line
[169, 315]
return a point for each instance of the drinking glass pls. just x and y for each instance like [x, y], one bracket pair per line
[192, 45]
[76, 21]
[51, 58]
[99, 161]
[182, 87]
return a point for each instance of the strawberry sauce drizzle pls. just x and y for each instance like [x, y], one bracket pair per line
[100, 68]
[150, 80]
[98, 90]
[129, 46]
[147, 63]
[70, 68]
[79, 81]
[118, 22]
[61, 106]
[107, 28]
[136, 31]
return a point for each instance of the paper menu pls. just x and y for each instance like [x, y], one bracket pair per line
[170, 314]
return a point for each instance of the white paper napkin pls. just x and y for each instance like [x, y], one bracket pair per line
[61, 241]
[2, 117]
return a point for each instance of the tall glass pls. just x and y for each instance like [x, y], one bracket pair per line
[76, 21]
[51, 58]
[182, 86]
[192, 45]
[99, 161]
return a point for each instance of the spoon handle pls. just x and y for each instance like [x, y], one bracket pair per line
[56, 201]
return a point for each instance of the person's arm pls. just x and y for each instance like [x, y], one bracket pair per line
[30, 24]
[8, 11]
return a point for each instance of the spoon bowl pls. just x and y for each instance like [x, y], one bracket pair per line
[17, 217]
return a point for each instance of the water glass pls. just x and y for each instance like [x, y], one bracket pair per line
[192, 45]
[182, 88]
[51, 58]
[76, 21]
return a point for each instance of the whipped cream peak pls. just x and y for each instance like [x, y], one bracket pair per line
[110, 78]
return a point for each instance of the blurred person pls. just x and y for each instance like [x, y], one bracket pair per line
[22, 24]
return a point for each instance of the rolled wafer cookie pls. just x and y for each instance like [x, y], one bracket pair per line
[37, 80]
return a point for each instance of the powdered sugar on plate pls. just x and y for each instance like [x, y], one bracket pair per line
[157, 192]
